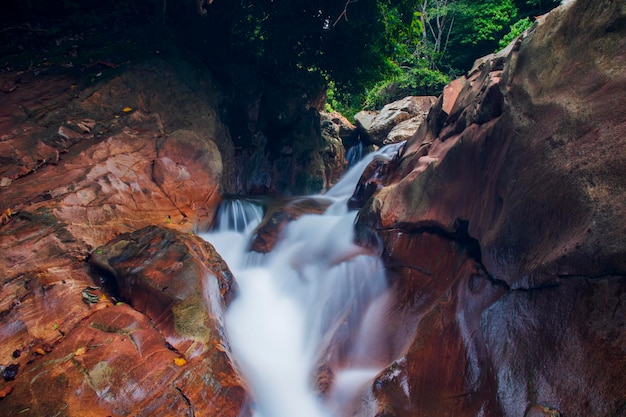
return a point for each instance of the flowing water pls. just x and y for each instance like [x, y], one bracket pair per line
[354, 154]
[292, 299]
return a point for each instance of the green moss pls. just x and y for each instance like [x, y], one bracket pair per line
[99, 377]
[190, 317]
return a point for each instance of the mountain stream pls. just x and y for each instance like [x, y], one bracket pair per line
[291, 300]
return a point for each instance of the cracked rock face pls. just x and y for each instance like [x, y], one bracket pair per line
[81, 167]
[502, 224]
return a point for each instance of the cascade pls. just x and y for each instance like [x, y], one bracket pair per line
[237, 214]
[291, 299]
[355, 154]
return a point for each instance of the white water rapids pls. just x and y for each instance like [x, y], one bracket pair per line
[291, 300]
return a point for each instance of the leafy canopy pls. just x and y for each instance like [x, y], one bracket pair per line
[368, 52]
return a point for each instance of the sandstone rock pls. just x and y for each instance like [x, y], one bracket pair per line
[303, 162]
[501, 228]
[376, 125]
[176, 279]
[116, 363]
[79, 172]
[180, 155]
[166, 353]
[281, 146]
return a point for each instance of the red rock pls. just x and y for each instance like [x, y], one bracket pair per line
[65, 193]
[125, 368]
[176, 279]
[279, 213]
[189, 171]
[502, 230]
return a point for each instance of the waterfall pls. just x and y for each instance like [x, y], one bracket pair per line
[237, 214]
[354, 154]
[291, 299]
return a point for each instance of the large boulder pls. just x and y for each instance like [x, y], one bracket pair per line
[165, 352]
[375, 126]
[335, 125]
[188, 169]
[501, 225]
[85, 164]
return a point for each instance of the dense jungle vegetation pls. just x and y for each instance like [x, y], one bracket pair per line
[367, 52]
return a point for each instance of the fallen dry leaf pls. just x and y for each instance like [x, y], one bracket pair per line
[5, 391]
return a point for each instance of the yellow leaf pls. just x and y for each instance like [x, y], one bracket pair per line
[127, 109]
[40, 351]
[80, 351]
[180, 361]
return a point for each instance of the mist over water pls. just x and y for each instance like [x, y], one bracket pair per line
[291, 299]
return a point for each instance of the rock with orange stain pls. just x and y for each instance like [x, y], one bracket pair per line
[177, 279]
[188, 169]
[77, 172]
[124, 368]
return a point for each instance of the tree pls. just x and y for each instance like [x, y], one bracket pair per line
[478, 27]
[437, 19]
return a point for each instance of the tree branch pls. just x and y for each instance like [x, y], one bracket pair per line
[345, 11]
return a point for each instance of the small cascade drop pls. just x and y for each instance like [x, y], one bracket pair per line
[354, 154]
[291, 300]
[237, 214]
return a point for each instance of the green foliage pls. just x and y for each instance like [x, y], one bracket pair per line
[414, 59]
[483, 21]
[478, 27]
[516, 29]
[416, 80]
[341, 41]
[369, 52]
[531, 8]
[343, 102]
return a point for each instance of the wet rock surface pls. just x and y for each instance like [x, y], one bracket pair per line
[162, 350]
[177, 280]
[501, 226]
[84, 163]
[279, 213]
